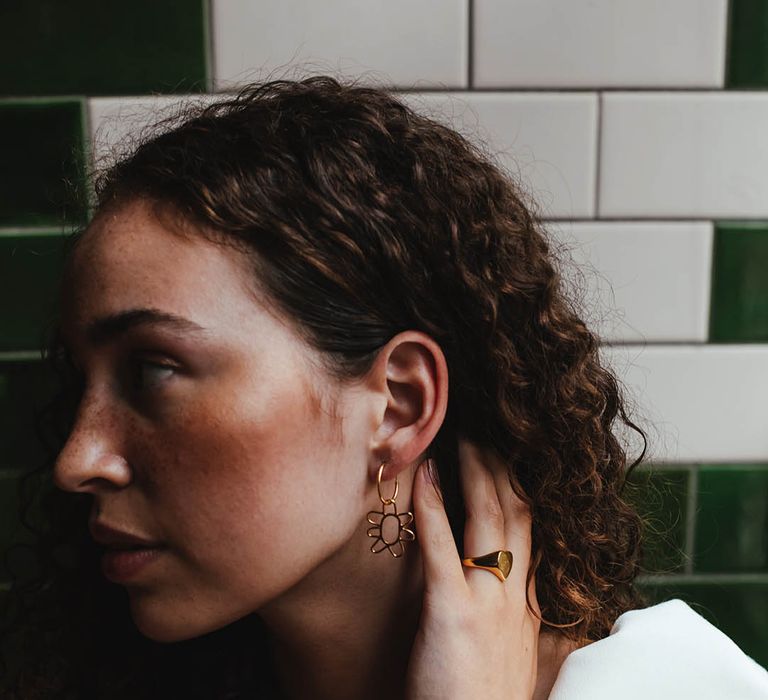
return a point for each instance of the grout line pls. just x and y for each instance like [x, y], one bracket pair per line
[89, 161]
[31, 231]
[650, 219]
[727, 49]
[728, 465]
[649, 343]
[661, 579]
[712, 272]
[735, 465]
[657, 218]
[663, 466]
[470, 43]
[590, 88]
[701, 345]
[20, 355]
[210, 63]
[11, 473]
[691, 507]
[598, 155]
[720, 464]
[39, 99]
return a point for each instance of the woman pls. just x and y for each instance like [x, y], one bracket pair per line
[292, 313]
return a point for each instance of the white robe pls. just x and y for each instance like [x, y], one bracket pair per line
[665, 652]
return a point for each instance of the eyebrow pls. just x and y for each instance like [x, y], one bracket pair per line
[102, 330]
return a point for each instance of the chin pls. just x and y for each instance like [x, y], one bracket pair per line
[162, 621]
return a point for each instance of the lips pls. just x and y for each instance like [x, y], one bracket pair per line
[123, 566]
[115, 539]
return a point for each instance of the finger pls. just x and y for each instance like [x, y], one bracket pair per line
[518, 536]
[442, 567]
[484, 527]
[533, 598]
[517, 513]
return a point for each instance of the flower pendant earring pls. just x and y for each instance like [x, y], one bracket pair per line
[389, 528]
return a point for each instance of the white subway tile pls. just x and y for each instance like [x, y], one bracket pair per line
[689, 154]
[599, 43]
[640, 281]
[117, 123]
[405, 42]
[699, 404]
[547, 141]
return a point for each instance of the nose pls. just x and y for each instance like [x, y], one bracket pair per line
[91, 459]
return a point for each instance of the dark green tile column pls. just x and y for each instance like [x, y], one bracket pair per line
[747, 60]
[739, 304]
[740, 610]
[42, 169]
[660, 496]
[10, 520]
[26, 388]
[30, 268]
[732, 523]
[94, 47]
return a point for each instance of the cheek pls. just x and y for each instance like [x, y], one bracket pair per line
[257, 486]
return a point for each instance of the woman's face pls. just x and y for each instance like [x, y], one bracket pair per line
[201, 426]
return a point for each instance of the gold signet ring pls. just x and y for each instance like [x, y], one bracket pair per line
[499, 563]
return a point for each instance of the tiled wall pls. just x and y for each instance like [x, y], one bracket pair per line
[638, 125]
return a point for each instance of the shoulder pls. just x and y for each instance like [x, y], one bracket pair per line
[664, 651]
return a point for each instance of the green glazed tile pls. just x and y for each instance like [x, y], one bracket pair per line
[102, 48]
[15, 535]
[29, 275]
[739, 304]
[9, 517]
[42, 172]
[747, 62]
[740, 610]
[732, 519]
[25, 389]
[661, 497]
[12, 531]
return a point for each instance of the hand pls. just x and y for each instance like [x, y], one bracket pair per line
[476, 637]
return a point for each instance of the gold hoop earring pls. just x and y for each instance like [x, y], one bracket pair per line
[381, 519]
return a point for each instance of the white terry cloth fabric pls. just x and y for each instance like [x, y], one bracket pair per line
[664, 652]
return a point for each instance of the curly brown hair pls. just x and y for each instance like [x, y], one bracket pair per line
[362, 219]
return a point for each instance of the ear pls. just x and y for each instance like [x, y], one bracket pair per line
[411, 375]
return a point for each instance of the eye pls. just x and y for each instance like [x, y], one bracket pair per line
[146, 374]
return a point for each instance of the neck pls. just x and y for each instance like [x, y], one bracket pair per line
[346, 631]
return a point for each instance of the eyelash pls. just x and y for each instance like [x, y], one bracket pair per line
[138, 367]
